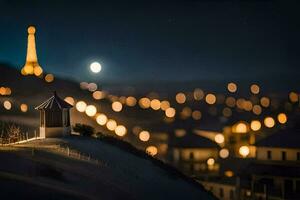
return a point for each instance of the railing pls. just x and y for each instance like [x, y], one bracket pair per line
[72, 153]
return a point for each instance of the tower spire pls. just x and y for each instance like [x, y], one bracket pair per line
[31, 66]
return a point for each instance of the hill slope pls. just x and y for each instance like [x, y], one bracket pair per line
[117, 174]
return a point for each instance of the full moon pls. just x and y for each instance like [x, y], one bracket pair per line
[95, 67]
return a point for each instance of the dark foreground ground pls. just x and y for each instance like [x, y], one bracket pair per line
[44, 169]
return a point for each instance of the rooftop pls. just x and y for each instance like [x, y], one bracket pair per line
[288, 138]
[191, 140]
[54, 102]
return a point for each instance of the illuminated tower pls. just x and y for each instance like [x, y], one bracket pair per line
[31, 66]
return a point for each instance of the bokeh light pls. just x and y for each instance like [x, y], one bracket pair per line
[254, 89]
[244, 151]
[81, 106]
[269, 122]
[257, 109]
[101, 119]
[91, 110]
[240, 127]
[219, 138]
[265, 102]
[294, 97]
[7, 105]
[227, 112]
[24, 107]
[198, 94]
[164, 105]
[180, 98]
[210, 99]
[131, 101]
[255, 125]
[155, 104]
[116, 106]
[232, 87]
[230, 102]
[111, 124]
[224, 153]
[49, 78]
[92, 87]
[120, 130]
[98, 95]
[282, 118]
[144, 102]
[196, 114]
[210, 162]
[170, 112]
[70, 100]
[144, 136]
[152, 150]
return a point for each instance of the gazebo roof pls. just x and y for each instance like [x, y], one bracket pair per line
[54, 102]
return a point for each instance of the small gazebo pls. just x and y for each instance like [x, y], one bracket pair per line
[54, 117]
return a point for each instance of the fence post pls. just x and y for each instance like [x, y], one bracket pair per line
[68, 150]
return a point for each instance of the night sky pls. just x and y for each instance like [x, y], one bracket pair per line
[147, 40]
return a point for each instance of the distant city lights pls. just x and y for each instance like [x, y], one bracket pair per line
[244, 151]
[152, 150]
[232, 87]
[180, 98]
[219, 138]
[7, 105]
[144, 136]
[101, 119]
[210, 162]
[170, 112]
[116, 106]
[91, 110]
[254, 89]
[111, 124]
[269, 122]
[120, 130]
[210, 99]
[255, 125]
[282, 118]
[81, 106]
[224, 153]
[49, 78]
[24, 107]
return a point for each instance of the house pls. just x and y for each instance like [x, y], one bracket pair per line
[193, 154]
[54, 117]
[276, 172]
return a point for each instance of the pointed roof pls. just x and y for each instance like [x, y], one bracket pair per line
[54, 102]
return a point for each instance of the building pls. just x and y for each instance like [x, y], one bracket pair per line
[194, 155]
[54, 117]
[276, 172]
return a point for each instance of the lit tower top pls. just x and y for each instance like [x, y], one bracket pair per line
[31, 66]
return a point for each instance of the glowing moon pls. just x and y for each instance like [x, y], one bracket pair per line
[95, 67]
